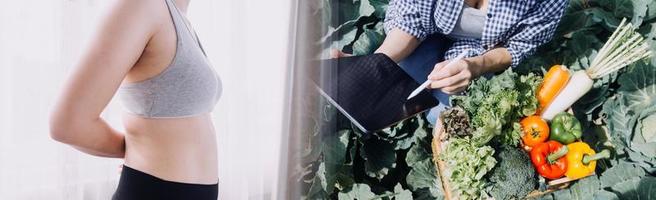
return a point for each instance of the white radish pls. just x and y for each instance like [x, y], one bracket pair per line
[624, 47]
[579, 83]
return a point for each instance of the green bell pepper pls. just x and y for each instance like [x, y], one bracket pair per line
[565, 128]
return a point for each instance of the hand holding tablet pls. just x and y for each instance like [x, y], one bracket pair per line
[371, 90]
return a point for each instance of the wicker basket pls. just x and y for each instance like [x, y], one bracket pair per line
[438, 144]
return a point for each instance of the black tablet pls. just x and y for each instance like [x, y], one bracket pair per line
[370, 90]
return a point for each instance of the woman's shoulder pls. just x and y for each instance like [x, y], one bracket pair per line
[139, 8]
[144, 13]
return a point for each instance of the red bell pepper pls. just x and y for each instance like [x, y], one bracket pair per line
[549, 159]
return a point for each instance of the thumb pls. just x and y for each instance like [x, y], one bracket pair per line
[335, 53]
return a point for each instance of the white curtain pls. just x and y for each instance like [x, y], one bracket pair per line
[246, 40]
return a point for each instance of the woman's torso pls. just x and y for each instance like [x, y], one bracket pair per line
[179, 150]
[168, 95]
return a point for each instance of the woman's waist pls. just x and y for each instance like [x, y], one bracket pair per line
[182, 135]
[180, 150]
[191, 165]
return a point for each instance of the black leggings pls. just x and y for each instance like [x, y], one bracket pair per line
[135, 184]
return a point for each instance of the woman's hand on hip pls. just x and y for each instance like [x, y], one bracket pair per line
[455, 78]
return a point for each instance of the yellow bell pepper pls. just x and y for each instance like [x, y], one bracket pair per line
[582, 160]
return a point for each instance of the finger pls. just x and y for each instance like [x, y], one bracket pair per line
[445, 72]
[445, 82]
[459, 80]
[336, 53]
[455, 89]
[460, 86]
[436, 69]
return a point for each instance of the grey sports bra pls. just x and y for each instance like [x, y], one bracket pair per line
[470, 24]
[188, 86]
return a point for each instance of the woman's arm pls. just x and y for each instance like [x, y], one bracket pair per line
[398, 44]
[116, 47]
[405, 25]
[495, 60]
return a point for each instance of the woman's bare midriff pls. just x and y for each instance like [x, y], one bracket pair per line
[176, 149]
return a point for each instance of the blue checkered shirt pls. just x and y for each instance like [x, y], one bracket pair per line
[518, 25]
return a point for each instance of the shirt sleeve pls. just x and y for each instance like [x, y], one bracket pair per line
[406, 16]
[459, 45]
[536, 29]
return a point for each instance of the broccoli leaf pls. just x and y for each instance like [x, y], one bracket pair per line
[423, 175]
[316, 190]
[380, 6]
[637, 188]
[334, 157]
[418, 153]
[619, 173]
[357, 191]
[379, 156]
[400, 193]
[631, 112]
[367, 9]
[585, 188]
[368, 41]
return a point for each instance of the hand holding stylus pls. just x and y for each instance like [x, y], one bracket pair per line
[445, 76]
[452, 76]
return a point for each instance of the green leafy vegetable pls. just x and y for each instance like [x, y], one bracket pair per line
[585, 189]
[400, 193]
[637, 188]
[467, 164]
[358, 191]
[495, 106]
[631, 112]
[379, 157]
[423, 176]
[334, 157]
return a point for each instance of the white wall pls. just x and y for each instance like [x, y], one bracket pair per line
[246, 41]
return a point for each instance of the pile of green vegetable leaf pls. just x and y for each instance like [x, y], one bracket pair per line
[495, 106]
[619, 113]
[467, 164]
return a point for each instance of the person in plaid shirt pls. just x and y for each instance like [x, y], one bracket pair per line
[423, 35]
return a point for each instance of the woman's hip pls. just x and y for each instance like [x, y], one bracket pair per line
[174, 162]
[176, 154]
[135, 184]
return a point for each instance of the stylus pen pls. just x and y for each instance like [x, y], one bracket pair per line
[425, 84]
